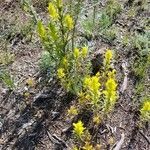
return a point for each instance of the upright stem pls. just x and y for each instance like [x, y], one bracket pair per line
[75, 22]
[94, 15]
[62, 28]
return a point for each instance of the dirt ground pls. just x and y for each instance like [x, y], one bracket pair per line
[38, 121]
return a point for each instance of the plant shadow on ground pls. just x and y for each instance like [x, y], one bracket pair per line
[27, 130]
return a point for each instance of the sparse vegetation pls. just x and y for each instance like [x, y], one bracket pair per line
[74, 74]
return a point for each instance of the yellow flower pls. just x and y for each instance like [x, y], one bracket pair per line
[87, 81]
[110, 92]
[92, 83]
[145, 111]
[95, 85]
[78, 128]
[41, 29]
[60, 73]
[68, 21]
[84, 51]
[111, 96]
[73, 110]
[146, 106]
[92, 87]
[76, 53]
[52, 11]
[111, 84]
[88, 146]
[108, 56]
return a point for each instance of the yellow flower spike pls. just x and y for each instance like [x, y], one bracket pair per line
[84, 51]
[95, 85]
[92, 87]
[52, 11]
[76, 53]
[87, 81]
[110, 94]
[111, 84]
[60, 73]
[68, 21]
[108, 56]
[78, 128]
[41, 29]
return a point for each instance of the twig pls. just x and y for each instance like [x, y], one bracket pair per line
[56, 140]
[119, 143]
[3, 108]
[125, 81]
[146, 138]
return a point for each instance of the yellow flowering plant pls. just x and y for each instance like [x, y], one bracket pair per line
[71, 64]
[110, 94]
[92, 88]
[78, 129]
[83, 136]
[99, 92]
[56, 35]
[53, 12]
[76, 67]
